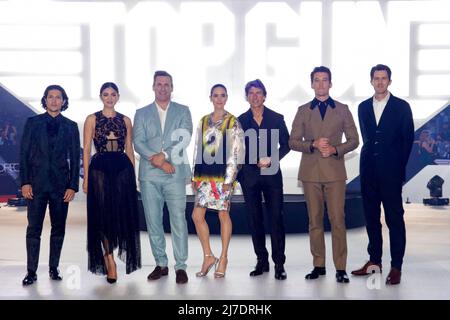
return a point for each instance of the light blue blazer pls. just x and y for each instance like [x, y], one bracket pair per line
[149, 140]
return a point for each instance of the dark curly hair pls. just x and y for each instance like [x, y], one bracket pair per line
[63, 93]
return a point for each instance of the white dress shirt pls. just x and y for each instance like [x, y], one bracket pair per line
[379, 105]
[162, 118]
[162, 115]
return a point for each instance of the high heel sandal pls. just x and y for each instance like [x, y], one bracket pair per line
[219, 274]
[108, 279]
[209, 267]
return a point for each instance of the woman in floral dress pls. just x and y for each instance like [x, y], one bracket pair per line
[219, 150]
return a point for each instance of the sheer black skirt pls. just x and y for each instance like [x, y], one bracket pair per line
[112, 212]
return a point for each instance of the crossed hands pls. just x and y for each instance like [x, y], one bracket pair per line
[159, 161]
[264, 162]
[324, 147]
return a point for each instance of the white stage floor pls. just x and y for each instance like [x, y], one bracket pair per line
[426, 270]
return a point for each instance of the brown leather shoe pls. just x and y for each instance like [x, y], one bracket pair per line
[367, 269]
[181, 276]
[158, 273]
[394, 276]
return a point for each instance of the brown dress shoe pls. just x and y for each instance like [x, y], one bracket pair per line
[181, 276]
[394, 276]
[158, 273]
[367, 269]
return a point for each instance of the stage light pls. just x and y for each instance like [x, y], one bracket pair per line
[435, 187]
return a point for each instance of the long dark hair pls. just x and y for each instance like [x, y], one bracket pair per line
[63, 93]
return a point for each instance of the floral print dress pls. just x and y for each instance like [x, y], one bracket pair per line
[219, 152]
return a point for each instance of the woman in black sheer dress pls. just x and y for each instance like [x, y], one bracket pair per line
[110, 184]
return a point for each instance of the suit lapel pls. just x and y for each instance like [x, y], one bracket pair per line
[249, 118]
[155, 114]
[369, 116]
[61, 134]
[43, 134]
[330, 117]
[316, 121]
[388, 109]
[170, 116]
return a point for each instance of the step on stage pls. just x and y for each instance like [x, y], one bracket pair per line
[295, 215]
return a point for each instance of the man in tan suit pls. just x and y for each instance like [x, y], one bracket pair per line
[317, 133]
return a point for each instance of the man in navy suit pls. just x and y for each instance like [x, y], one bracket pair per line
[387, 129]
[266, 143]
[49, 173]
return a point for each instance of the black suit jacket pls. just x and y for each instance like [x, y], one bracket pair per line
[386, 146]
[271, 120]
[45, 170]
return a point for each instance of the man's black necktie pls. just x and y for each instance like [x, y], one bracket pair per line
[322, 109]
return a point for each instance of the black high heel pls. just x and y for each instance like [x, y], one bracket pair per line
[110, 280]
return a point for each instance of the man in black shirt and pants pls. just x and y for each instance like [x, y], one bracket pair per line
[266, 143]
[49, 172]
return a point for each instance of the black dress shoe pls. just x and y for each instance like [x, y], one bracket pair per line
[315, 273]
[280, 273]
[261, 266]
[54, 274]
[342, 277]
[30, 278]
[181, 276]
[158, 273]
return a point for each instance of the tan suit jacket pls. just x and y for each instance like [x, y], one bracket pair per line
[307, 126]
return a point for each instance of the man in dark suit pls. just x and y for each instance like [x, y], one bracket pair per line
[387, 130]
[266, 143]
[49, 172]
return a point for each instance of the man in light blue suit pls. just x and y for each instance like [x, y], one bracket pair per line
[162, 131]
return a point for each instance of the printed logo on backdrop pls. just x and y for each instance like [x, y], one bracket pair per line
[11, 169]
[13, 114]
[149, 35]
[270, 40]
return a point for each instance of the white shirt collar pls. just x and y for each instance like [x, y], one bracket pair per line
[161, 109]
[162, 114]
[379, 105]
[382, 101]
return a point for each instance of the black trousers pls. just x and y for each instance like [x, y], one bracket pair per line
[271, 187]
[36, 214]
[377, 190]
